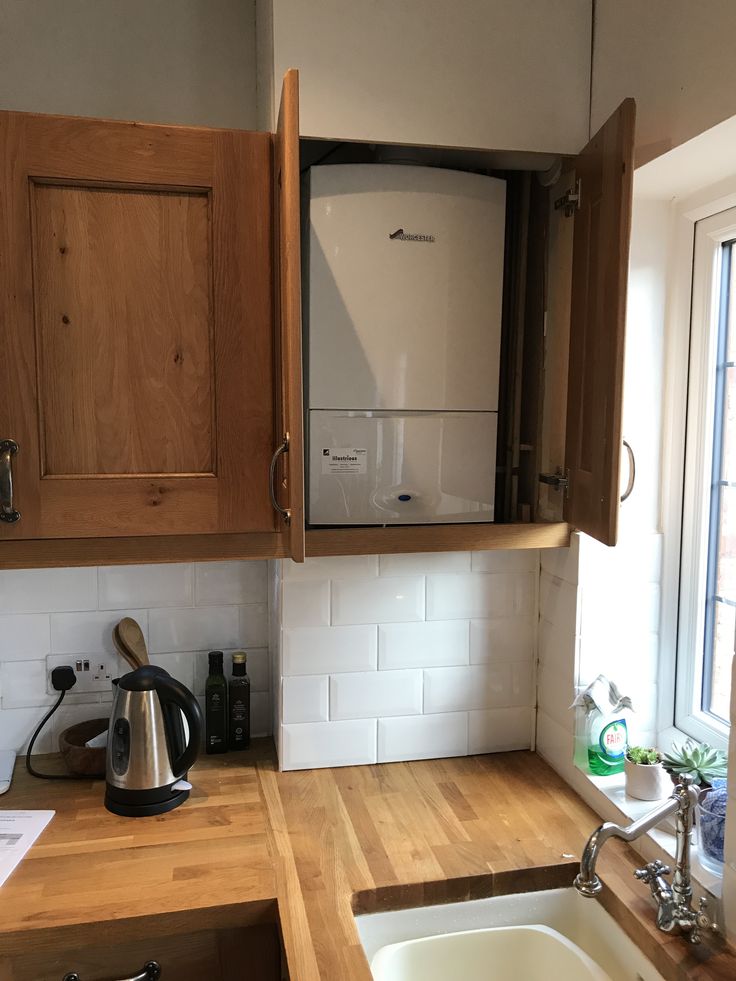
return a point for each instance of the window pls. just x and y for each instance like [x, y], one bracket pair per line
[707, 614]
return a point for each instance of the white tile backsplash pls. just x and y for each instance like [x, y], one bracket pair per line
[422, 737]
[72, 612]
[423, 645]
[381, 600]
[123, 586]
[438, 647]
[370, 694]
[320, 744]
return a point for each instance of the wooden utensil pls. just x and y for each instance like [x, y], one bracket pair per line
[122, 650]
[132, 638]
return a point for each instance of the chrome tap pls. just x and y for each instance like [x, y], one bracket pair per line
[674, 901]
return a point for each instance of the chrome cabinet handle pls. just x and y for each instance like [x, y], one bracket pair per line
[632, 473]
[151, 971]
[8, 449]
[283, 448]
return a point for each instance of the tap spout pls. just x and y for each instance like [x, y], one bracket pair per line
[587, 882]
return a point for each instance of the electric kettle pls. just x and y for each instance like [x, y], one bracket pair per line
[148, 752]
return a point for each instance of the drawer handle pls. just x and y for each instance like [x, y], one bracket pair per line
[632, 473]
[283, 448]
[8, 449]
[151, 971]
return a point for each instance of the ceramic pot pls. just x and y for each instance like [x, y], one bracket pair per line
[646, 781]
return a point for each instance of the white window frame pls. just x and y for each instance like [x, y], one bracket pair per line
[700, 227]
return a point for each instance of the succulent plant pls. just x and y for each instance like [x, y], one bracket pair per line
[644, 755]
[697, 760]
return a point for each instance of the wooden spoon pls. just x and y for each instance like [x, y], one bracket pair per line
[122, 650]
[131, 636]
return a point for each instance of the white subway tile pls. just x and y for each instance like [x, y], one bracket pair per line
[563, 563]
[179, 666]
[381, 600]
[230, 583]
[306, 604]
[18, 725]
[559, 603]
[47, 590]
[424, 563]
[122, 587]
[254, 625]
[369, 694]
[329, 567]
[422, 737]
[204, 628]
[261, 713]
[90, 633]
[500, 730]
[507, 560]
[423, 645]
[555, 743]
[318, 744]
[305, 698]
[479, 594]
[325, 650]
[26, 635]
[478, 686]
[23, 684]
[502, 639]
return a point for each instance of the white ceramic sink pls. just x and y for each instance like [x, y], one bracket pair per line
[564, 936]
[534, 953]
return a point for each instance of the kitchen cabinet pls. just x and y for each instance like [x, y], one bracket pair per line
[142, 391]
[562, 393]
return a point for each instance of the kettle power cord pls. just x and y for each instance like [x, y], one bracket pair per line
[62, 678]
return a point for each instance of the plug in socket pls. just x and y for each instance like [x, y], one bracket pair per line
[93, 674]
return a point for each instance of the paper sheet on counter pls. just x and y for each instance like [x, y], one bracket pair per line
[18, 831]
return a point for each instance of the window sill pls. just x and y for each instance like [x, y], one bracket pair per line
[610, 791]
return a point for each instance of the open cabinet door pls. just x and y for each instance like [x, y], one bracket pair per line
[604, 170]
[289, 479]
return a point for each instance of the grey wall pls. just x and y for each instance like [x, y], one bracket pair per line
[168, 61]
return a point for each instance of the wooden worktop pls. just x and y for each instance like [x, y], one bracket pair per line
[310, 848]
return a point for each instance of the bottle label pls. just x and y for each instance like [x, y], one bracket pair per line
[612, 740]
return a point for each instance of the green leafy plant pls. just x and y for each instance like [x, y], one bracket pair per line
[644, 755]
[697, 760]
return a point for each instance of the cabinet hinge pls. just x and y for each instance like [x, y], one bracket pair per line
[560, 480]
[570, 200]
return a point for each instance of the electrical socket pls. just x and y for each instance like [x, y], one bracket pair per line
[94, 672]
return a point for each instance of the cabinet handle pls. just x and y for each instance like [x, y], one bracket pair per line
[283, 448]
[8, 449]
[151, 971]
[632, 473]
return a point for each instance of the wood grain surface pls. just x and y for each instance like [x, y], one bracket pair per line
[311, 848]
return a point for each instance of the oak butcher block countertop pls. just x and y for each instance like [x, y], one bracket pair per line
[308, 849]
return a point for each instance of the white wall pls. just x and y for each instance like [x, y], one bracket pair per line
[674, 57]
[166, 61]
[399, 657]
[184, 610]
[501, 74]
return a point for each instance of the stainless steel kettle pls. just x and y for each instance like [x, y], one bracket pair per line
[148, 752]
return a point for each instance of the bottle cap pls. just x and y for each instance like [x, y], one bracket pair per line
[239, 657]
[215, 659]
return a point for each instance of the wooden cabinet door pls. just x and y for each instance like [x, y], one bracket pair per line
[136, 311]
[289, 478]
[604, 170]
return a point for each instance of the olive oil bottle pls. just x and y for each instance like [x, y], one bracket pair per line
[239, 701]
[215, 706]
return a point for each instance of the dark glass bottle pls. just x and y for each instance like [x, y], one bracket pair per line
[215, 705]
[239, 698]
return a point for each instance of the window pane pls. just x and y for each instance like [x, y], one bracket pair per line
[720, 611]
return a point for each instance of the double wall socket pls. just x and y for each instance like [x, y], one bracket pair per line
[94, 672]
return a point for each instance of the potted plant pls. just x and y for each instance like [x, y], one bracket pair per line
[707, 767]
[646, 778]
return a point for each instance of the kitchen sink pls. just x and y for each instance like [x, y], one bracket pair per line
[553, 933]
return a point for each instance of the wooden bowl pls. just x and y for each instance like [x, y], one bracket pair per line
[80, 759]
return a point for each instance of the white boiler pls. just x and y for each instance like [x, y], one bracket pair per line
[403, 317]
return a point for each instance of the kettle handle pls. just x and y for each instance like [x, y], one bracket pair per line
[169, 689]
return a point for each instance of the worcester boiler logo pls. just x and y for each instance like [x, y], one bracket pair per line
[401, 236]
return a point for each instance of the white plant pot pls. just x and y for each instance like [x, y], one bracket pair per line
[646, 781]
